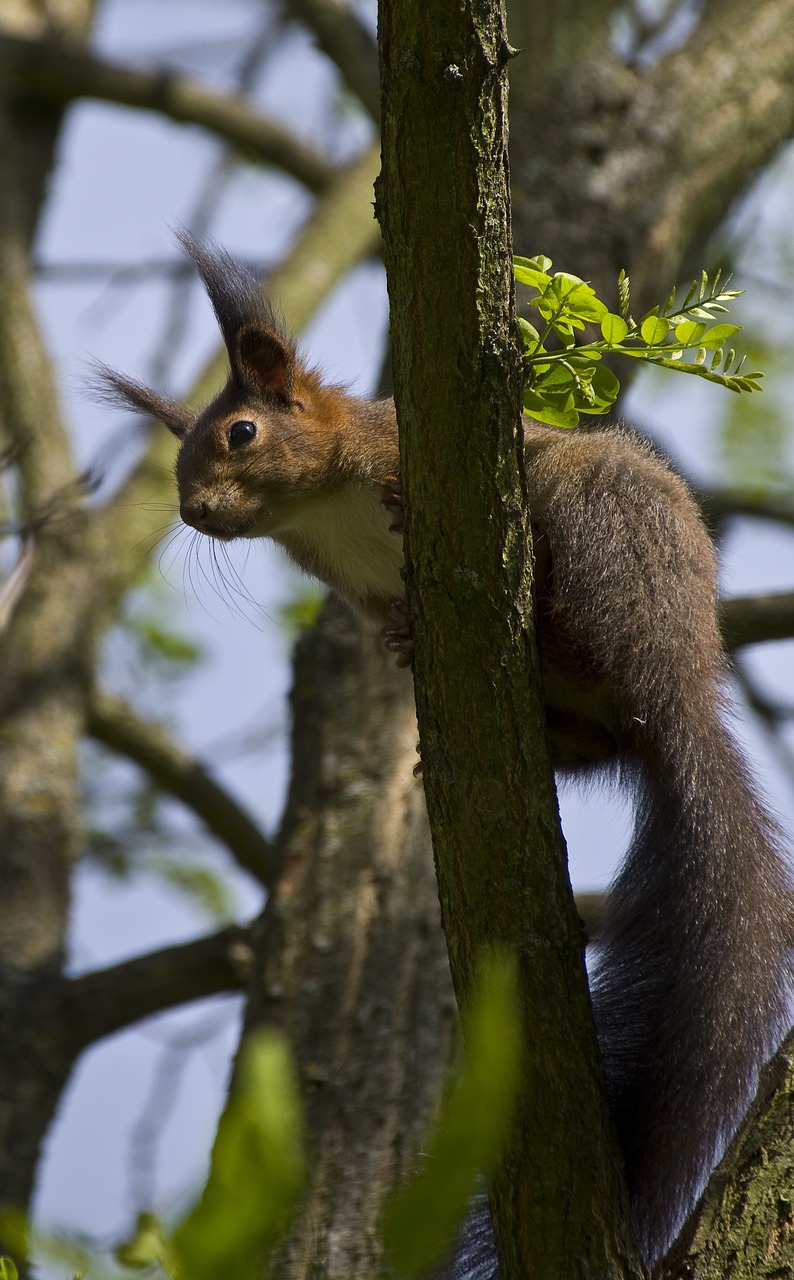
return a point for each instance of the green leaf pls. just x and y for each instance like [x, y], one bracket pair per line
[554, 415]
[559, 379]
[613, 328]
[529, 334]
[8, 1269]
[257, 1171]
[654, 330]
[200, 882]
[421, 1220]
[583, 357]
[564, 383]
[302, 611]
[605, 388]
[580, 298]
[689, 331]
[718, 334]
[539, 263]
[748, 382]
[167, 645]
[532, 271]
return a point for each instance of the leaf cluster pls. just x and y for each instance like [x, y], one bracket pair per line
[563, 371]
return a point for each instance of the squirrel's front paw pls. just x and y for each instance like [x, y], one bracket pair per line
[391, 496]
[397, 634]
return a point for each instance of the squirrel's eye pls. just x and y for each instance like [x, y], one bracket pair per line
[240, 433]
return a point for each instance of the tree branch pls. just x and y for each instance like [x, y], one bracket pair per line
[98, 1004]
[716, 504]
[113, 722]
[346, 41]
[754, 619]
[53, 71]
[748, 1197]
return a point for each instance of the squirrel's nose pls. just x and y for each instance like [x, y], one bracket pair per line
[194, 513]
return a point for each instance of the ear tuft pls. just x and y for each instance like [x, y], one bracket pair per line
[114, 388]
[236, 295]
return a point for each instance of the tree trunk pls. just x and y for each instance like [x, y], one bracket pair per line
[352, 963]
[558, 1201]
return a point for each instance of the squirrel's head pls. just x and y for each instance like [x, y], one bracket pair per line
[271, 433]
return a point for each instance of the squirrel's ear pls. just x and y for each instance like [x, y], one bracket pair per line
[261, 358]
[114, 388]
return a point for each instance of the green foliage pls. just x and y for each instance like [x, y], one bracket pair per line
[258, 1164]
[66, 1253]
[165, 647]
[256, 1175]
[422, 1219]
[129, 835]
[564, 376]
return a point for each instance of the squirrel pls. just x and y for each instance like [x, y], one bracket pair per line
[693, 982]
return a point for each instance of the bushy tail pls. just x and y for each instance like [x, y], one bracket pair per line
[693, 979]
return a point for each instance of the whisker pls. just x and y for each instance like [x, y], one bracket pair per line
[226, 587]
[173, 544]
[152, 538]
[239, 586]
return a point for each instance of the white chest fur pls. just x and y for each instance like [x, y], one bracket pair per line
[342, 536]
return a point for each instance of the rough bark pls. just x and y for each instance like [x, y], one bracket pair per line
[744, 1225]
[351, 960]
[558, 1202]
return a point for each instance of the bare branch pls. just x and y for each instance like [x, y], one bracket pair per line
[346, 41]
[716, 504]
[108, 1000]
[56, 72]
[754, 619]
[114, 723]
